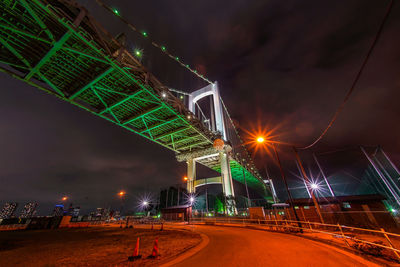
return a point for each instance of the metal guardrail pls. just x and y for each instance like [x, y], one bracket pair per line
[335, 230]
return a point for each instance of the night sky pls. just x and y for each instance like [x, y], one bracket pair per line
[283, 65]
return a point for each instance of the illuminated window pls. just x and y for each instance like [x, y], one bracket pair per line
[346, 205]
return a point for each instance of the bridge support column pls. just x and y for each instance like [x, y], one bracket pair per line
[227, 184]
[191, 175]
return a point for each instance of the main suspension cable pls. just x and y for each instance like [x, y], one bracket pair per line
[340, 108]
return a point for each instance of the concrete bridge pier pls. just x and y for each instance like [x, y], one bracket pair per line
[220, 158]
[227, 183]
[191, 175]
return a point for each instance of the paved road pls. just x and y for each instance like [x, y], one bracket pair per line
[230, 246]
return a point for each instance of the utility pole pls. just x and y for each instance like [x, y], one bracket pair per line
[308, 183]
[287, 187]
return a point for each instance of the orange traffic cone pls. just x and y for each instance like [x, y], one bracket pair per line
[135, 252]
[155, 253]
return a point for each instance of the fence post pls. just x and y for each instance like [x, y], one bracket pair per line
[390, 243]
[309, 224]
[259, 221]
[344, 237]
[276, 222]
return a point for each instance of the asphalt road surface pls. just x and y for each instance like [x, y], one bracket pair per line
[230, 246]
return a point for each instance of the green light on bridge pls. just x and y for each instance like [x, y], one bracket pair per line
[116, 12]
[144, 34]
[138, 53]
[163, 48]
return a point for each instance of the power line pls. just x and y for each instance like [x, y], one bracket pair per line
[340, 108]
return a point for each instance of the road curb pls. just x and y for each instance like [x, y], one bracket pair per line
[190, 252]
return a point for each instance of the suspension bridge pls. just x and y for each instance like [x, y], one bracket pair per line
[56, 46]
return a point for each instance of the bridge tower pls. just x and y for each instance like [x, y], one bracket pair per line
[219, 156]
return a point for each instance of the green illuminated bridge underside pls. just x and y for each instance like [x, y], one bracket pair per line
[60, 49]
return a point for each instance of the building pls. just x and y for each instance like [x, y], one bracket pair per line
[177, 213]
[8, 210]
[99, 212]
[58, 210]
[29, 210]
[75, 212]
[365, 211]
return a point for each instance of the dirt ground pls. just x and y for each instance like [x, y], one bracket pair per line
[95, 246]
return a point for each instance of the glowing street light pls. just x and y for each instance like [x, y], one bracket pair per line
[314, 186]
[145, 203]
[191, 199]
[64, 198]
[185, 178]
[121, 193]
[260, 139]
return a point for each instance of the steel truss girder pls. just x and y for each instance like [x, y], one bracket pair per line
[93, 51]
[142, 114]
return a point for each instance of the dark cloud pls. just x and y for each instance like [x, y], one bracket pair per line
[286, 63]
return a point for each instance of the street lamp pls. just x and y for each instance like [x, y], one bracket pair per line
[121, 194]
[260, 139]
[304, 175]
[314, 186]
[284, 180]
[64, 198]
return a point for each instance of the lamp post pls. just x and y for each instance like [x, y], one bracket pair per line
[121, 195]
[262, 140]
